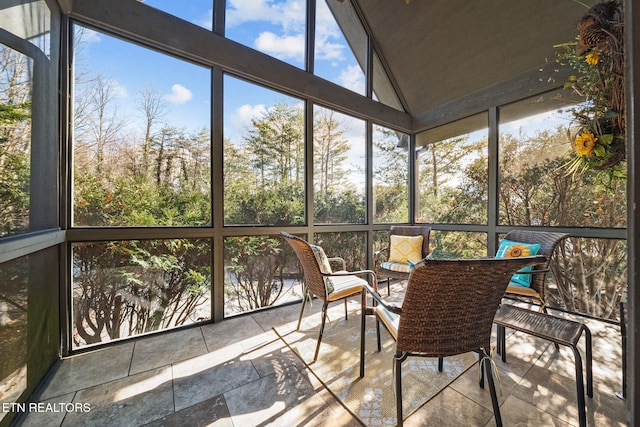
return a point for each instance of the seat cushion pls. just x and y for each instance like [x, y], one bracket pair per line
[403, 248]
[323, 263]
[511, 249]
[396, 266]
[516, 289]
[322, 259]
[344, 286]
[391, 320]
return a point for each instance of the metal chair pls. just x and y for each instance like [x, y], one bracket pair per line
[448, 309]
[325, 285]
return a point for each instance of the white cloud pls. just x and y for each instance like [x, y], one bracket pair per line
[290, 14]
[179, 94]
[240, 121]
[116, 88]
[327, 31]
[352, 78]
[281, 47]
[206, 20]
[87, 35]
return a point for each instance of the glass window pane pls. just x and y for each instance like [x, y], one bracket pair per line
[276, 27]
[350, 246]
[457, 244]
[141, 136]
[260, 271]
[16, 71]
[588, 276]
[338, 167]
[452, 173]
[340, 45]
[198, 12]
[537, 186]
[264, 156]
[126, 288]
[390, 175]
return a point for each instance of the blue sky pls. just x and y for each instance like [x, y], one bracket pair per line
[275, 27]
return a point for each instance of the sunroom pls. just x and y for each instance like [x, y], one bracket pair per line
[152, 152]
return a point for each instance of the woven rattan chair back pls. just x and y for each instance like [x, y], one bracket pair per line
[548, 242]
[314, 281]
[450, 304]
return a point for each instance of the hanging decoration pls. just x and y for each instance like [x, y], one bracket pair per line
[597, 56]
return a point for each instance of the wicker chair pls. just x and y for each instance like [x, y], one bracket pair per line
[548, 242]
[327, 286]
[448, 309]
[383, 269]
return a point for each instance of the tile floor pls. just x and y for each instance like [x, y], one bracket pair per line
[238, 373]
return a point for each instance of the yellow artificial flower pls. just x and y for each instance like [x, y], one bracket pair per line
[592, 58]
[585, 143]
[516, 251]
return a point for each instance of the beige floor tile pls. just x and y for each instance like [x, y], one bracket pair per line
[204, 377]
[175, 346]
[235, 330]
[36, 417]
[212, 412]
[549, 392]
[130, 401]
[89, 369]
[449, 409]
[280, 399]
[516, 412]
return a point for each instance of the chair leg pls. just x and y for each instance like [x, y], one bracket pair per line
[388, 286]
[378, 334]
[324, 319]
[398, 359]
[502, 345]
[304, 302]
[582, 413]
[346, 317]
[363, 327]
[440, 364]
[494, 397]
[589, 361]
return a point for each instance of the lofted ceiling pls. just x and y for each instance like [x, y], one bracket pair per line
[457, 57]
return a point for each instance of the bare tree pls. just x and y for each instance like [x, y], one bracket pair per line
[101, 122]
[154, 109]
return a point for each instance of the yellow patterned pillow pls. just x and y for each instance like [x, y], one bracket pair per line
[405, 248]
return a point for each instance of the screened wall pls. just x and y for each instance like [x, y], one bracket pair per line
[30, 260]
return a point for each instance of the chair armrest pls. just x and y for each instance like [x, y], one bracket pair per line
[377, 254]
[354, 273]
[340, 260]
[378, 300]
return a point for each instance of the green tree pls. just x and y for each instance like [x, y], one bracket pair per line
[390, 177]
[255, 271]
[276, 145]
[15, 141]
